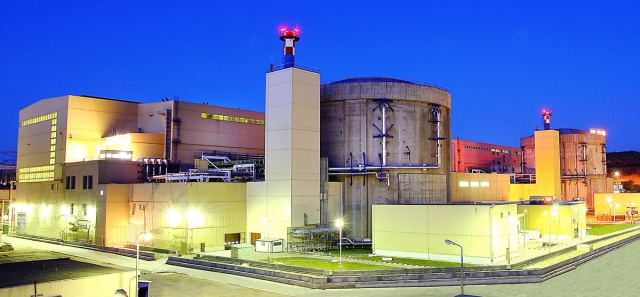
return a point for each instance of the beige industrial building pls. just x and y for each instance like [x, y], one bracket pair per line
[82, 160]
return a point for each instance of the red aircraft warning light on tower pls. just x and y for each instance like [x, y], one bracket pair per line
[289, 37]
[546, 116]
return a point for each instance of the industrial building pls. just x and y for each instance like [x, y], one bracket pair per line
[374, 151]
[473, 156]
[387, 142]
[583, 162]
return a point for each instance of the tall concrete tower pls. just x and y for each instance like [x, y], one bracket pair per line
[290, 195]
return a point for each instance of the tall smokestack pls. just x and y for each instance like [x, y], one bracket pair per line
[289, 37]
[546, 116]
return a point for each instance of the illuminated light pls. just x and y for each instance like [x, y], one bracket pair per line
[484, 184]
[91, 212]
[464, 184]
[194, 219]
[173, 218]
[598, 131]
[475, 184]
[65, 210]
[45, 210]
[287, 210]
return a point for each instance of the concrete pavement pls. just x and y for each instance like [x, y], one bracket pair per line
[613, 274]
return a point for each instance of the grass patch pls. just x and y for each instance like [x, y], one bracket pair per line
[350, 252]
[606, 229]
[328, 264]
[363, 254]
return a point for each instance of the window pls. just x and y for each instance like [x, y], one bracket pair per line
[71, 183]
[87, 182]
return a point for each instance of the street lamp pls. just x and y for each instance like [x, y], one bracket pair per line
[617, 174]
[510, 219]
[270, 243]
[614, 212]
[339, 224]
[145, 236]
[524, 232]
[609, 203]
[194, 220]
[449, 242]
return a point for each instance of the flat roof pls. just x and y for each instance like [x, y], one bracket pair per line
[29, 265]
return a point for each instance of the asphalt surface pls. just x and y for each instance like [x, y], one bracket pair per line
[614, 274]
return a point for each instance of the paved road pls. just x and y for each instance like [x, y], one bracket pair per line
[611, 275]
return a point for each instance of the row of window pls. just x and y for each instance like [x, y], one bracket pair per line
[495, 150]
[473, 184]
[221, 117]
[87, 182]
[35, 177]
[51, 116]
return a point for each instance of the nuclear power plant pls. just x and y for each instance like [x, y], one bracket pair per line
[374, 152]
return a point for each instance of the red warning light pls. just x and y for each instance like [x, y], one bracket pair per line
[293, 33]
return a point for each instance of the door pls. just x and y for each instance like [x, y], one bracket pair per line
[254, 237]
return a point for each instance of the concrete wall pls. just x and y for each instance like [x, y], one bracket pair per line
[113, 212]
[222, 206]
[420, 231]
[479, 187]
[198, 131]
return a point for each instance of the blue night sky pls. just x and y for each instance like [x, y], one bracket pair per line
[502, 61]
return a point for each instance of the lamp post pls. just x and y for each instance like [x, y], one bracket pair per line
[614, 212]
[609, 203]
[145, 237]
[194, 220]
[549, 231]
[339, 224]
[584, 210]
[449, 242]
[510, 219]
[617, 174]
[270, 246]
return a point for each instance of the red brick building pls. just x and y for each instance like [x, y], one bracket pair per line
[472, 156]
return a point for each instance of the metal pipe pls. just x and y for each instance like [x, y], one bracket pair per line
[438, 135]
[378, 175]
[359, 167]
[384, 134]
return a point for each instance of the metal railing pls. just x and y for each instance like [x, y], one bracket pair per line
[426, 84]
[273, 68]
